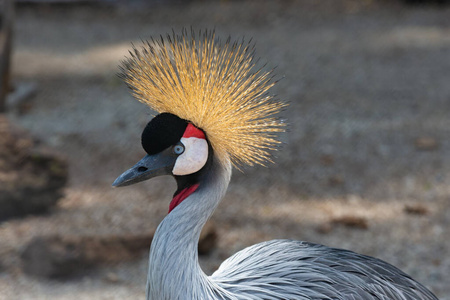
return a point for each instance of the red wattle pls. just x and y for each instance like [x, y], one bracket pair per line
[181, 196]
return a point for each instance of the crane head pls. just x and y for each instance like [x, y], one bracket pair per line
[174, 147]
[216, 86]
[197, 81]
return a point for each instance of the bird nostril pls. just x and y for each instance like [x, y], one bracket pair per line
[142, 169]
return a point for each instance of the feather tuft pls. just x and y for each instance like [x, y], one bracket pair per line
[212, 85]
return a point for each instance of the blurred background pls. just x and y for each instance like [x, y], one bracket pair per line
[365, 165]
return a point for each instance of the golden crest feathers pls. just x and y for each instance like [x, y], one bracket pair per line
[215, 87]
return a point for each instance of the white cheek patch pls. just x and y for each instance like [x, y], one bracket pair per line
[193, 158]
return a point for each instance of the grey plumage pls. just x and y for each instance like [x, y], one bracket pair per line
[286, 269]
[279, 269]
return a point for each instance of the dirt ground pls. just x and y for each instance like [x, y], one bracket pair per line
[369, 89]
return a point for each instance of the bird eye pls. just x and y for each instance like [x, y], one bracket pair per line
[178, 149]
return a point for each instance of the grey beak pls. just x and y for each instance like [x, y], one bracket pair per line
[150, 166]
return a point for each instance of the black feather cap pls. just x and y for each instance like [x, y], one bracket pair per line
[161, 132]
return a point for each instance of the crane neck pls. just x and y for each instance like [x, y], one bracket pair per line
[174, 271]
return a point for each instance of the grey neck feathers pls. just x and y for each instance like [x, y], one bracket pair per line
[174, 271]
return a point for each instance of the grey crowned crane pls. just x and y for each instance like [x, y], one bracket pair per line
[215, 112]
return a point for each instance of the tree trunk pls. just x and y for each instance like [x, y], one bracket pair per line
[6, 23]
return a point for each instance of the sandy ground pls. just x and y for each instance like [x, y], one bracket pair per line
[364, 81]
